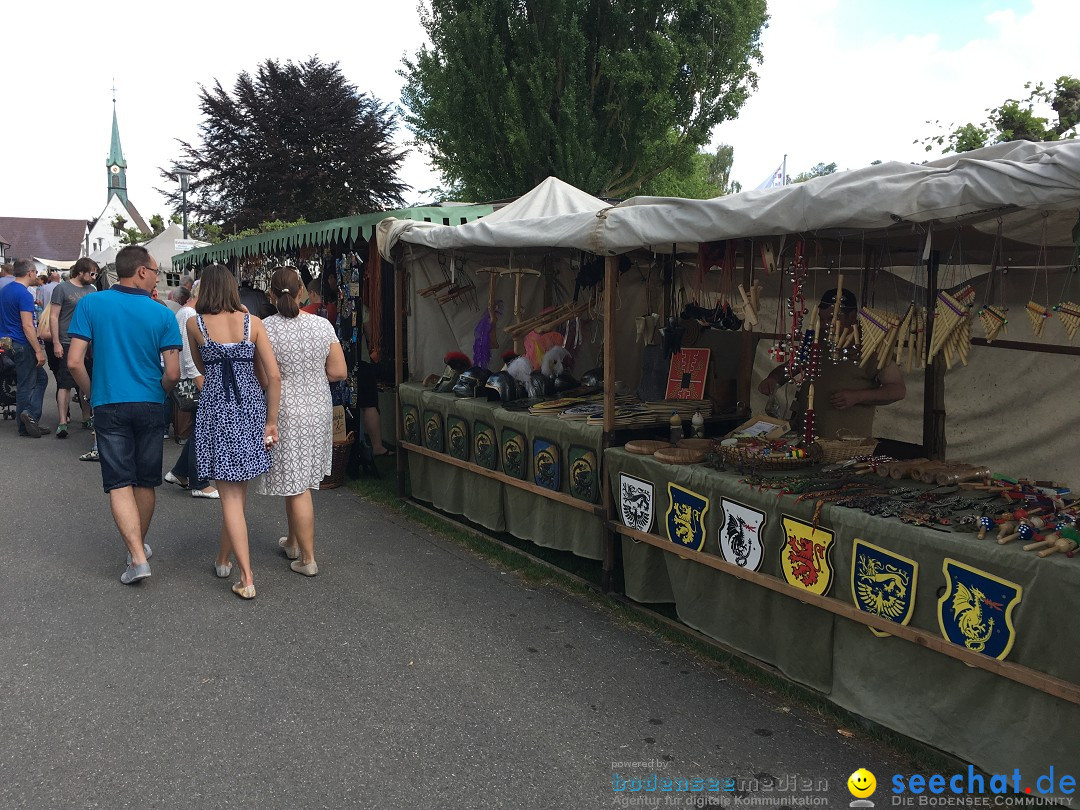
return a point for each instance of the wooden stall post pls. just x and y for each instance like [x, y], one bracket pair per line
[611, 279]
[399, 373]
[934, 376]
[746, 336]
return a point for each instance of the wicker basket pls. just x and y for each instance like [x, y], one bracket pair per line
[341, 459]
[845, 447]
[743, 459]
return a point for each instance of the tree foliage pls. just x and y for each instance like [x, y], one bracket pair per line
[1018, 119]
[291, 141]
[704, 176]
[818, 170]
[513, 91]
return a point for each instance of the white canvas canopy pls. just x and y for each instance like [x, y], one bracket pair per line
[105, 257]
[522, 223]
[163, 246]
[55, 264]
[1016, 182]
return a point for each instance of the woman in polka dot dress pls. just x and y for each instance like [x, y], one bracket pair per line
[236, 423]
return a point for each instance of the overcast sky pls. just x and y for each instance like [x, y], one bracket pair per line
[844, 81]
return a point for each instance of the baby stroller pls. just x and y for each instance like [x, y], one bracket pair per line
[7, 381]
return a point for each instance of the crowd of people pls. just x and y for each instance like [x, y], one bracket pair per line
[264, 410]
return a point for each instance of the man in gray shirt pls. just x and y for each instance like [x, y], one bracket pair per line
[64, 298]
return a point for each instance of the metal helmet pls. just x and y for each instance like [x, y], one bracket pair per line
[593, 378]
[470, 383]
[500, 386]
[565, 382]
[447, 381]
[539, 385]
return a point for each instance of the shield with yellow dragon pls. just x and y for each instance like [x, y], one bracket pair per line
[433, 432]
[547, 470]
[457, 429]
[976, 610]
[883, 583]
[686, 517]
[806, 556]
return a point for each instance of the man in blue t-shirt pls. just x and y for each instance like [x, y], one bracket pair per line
[17, 322]
[132, 334]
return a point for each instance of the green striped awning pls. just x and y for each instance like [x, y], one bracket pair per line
[315, 234]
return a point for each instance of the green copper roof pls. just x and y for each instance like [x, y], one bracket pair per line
[116, 154]
[316, 234]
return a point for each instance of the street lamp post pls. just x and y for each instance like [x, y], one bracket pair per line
[185, 178]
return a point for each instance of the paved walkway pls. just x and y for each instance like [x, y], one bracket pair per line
[409, 673]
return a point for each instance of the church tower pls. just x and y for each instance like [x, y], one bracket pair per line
[116, 166]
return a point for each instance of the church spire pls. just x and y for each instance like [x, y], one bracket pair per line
[116, 165]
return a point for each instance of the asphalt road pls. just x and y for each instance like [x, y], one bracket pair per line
[409, 673]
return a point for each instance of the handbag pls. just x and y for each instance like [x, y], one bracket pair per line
[186, 396]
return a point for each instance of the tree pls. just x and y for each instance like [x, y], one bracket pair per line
[1018, 120]
[513, 91]
[157, 224]
[293, 141]
[705, 176]
[128, 236]
[819, 170]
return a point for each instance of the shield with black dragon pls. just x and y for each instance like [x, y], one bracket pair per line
[740, 534]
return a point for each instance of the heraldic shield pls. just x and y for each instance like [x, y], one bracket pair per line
[547, 469]
[433, 432]
[686, 517]
[740, 535]
[883, 583]
[635, 502]
[410, 420]
[976, 610]
[806, 556]
[457, 429]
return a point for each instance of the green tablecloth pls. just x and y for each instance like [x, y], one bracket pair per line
[566, 445]
[991, 721]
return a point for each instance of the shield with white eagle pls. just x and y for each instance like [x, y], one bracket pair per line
[636, 502]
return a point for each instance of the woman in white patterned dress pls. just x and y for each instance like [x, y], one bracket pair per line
[309, 357]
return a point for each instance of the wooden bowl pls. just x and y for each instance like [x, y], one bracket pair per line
[645, 447]
[679, 455]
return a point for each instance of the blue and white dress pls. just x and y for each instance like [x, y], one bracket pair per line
[230, 423]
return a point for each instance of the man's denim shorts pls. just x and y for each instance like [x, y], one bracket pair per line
[129, 443]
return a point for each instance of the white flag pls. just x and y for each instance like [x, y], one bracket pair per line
[773, 180]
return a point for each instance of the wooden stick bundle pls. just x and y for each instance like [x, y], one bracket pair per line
[1037, 314]
[1070, 317]
[877, 326]
[547, 321]
[951, 314]
[994, 322]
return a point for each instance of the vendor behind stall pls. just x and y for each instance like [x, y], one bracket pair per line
[845, 394]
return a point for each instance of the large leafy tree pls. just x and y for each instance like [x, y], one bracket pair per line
[1019, 119]
[293, 141]
[704, 176]
[512, 91]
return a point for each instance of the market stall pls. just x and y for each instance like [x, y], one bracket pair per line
[938, 256]
[543, 481]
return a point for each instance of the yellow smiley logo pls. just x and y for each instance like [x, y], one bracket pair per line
[861, 783]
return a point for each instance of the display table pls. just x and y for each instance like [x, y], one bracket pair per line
[556, 457]
[996, 723]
